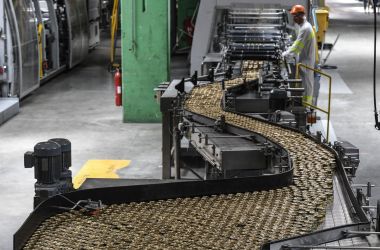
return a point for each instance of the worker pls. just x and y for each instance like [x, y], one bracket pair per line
[304, 49]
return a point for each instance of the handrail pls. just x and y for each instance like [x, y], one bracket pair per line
[328, 111]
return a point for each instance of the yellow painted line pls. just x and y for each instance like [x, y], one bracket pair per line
[99, 169]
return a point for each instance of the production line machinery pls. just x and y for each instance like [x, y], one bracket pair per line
[249, 43]
[201, 136]
[254, 34]
[275, 194]
[247, 173]
[40, 39]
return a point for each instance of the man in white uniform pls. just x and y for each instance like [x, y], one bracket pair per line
[305, 49]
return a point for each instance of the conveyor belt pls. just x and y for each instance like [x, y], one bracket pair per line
[313, 166]
[234, 221]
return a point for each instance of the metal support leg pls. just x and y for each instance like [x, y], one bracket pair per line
[176, 144]
[369, 189]
[177, 154]
[207, 169]
[378, 217]
[167, 139]
[359, 196]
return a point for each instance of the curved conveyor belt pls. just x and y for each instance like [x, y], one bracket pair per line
[234, 221]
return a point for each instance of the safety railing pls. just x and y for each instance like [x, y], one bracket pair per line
[328, 111]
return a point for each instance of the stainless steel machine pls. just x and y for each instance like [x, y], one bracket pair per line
[40, 39]
[211, 14]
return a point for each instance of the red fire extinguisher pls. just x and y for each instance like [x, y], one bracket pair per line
[118, 93]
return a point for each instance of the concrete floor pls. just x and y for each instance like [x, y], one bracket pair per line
[79, 105]
[352, 114]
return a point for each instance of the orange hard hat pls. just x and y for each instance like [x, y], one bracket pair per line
[297, 9]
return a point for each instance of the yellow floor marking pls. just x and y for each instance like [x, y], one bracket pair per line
[99, 169]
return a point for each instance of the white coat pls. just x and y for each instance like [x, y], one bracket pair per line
[305, 49]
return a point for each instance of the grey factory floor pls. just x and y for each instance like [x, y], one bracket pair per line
[79, 105]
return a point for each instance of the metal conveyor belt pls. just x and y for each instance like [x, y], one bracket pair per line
[234, 221]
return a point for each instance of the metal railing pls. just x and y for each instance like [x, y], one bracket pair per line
[328, 111]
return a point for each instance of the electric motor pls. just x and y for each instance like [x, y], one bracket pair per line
[66, 176]
[47, 162]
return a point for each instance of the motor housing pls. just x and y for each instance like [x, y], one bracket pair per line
[66, 175]
[51, 160]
